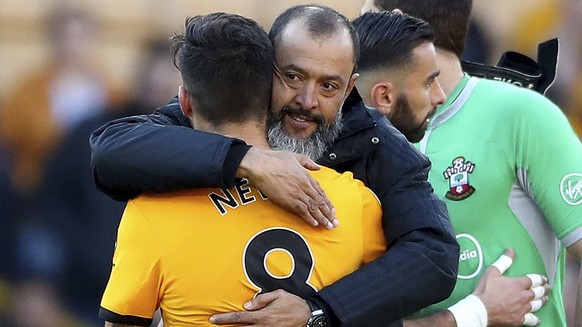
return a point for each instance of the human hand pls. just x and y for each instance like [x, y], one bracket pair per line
[277, 308]
[511, 301]
[283, 177]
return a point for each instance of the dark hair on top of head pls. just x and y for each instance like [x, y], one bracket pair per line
[226, 63]
[449, 19]
[321, 21]
[388, 39]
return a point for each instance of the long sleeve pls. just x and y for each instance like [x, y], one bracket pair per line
[420, 266]
[131, 155]
[418, 269]
[421, 263]
[407, 278]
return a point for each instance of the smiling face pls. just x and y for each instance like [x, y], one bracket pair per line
[313, 76]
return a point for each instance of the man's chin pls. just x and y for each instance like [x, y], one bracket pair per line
[416, 135]
[298, 132]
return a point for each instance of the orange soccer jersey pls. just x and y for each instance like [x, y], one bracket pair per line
[206, 251]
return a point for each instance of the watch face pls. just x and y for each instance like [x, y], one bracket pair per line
[319, 321]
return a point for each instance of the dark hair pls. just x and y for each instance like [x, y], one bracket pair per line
[321, 21]
[449, 19]
[388, 39]
[226, 62]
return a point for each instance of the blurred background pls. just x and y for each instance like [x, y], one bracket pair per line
[67, 67]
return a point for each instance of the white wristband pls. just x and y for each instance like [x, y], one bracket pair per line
[469, 312]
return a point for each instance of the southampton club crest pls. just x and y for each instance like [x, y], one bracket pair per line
[458, 176]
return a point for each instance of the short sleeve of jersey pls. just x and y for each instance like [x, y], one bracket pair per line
[132, 291]
[549, 161]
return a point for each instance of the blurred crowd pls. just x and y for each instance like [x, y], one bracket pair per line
[57, 231]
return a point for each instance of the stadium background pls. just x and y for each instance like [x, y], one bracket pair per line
[126, 26]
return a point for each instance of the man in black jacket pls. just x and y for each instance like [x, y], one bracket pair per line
[309, 90]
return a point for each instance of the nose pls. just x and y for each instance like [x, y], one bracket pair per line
[307, 96]
[438, 95]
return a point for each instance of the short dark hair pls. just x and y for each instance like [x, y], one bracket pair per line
[388, 39]
[321, 21]
[226, 62]
[448, 18]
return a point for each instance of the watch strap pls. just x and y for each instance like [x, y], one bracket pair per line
[317, 317]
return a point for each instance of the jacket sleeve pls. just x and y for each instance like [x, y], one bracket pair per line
[160, 152]
[420, 266]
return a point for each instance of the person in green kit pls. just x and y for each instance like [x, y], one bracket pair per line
[508, 165]
[399, 76]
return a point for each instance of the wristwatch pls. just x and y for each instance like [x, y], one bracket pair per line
[317, 318]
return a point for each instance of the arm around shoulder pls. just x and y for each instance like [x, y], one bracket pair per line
[160, 152]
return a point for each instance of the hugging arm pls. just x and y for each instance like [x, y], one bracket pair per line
[393, 286]
[420, 266]
[161, 152]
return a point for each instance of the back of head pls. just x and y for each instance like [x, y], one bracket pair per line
[321, 22]
[387, 40]
[448, 18]
[226, 63]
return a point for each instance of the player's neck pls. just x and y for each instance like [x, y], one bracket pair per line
[253, 133]
[451, 71]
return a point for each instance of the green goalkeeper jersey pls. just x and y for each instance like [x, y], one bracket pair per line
[509, 166]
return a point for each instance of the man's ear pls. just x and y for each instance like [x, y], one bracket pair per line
[383, 97]
[351, 84]
[184, 99]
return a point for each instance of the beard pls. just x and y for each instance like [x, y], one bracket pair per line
[313, 146]
[403, 119]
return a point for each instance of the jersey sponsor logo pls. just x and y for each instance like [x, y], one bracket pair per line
[470, 258]
[571, 189]
[458, 176]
